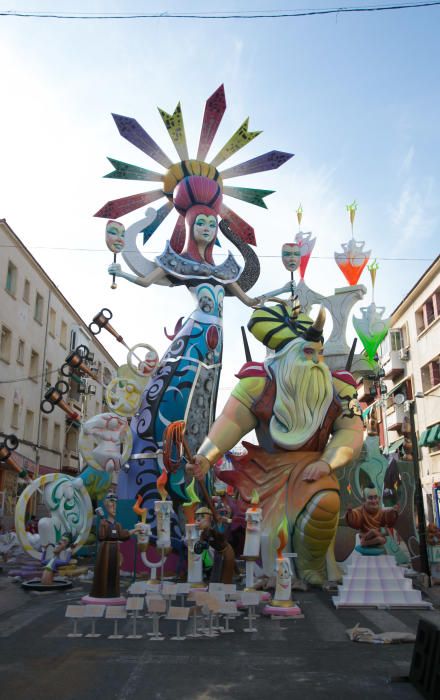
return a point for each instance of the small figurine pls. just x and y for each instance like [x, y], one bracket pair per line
[223, 568]
[370, 519]
[110, 533]
[61, 556]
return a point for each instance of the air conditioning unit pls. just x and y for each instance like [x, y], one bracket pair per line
[404, 354]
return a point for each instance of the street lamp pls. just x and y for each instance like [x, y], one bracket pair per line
[410, 405]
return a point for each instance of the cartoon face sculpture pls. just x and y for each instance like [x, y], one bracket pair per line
[149, 363]
[253, 519]
[105, 442]
[123, 396]
[291, 256]
[205, 228]
[115, 236]
[284, 579]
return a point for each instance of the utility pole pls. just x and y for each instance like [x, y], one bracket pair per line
[418, 493]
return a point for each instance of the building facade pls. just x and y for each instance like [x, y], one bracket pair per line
[39, 328]
[410, 362]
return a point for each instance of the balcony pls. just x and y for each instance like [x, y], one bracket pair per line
[394, 363]
[395, 417]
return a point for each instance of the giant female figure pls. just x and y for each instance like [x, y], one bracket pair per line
[184, 387]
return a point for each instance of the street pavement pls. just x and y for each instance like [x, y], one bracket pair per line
[308, 658]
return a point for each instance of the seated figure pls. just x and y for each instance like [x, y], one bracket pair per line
[61, 556]
[370, 520]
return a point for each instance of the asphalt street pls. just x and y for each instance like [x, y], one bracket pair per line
[310, 658]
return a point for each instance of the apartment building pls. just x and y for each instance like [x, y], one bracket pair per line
[410, 361]
[38, 330]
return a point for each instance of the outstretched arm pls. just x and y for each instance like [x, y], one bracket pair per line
[155, 276]
[234, 423]
[237, 291]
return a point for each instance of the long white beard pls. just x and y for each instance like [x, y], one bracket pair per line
[304, 394]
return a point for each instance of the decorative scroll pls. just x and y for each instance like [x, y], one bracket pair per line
[176, 130]
[131, 130]
[268, 161]
[118, 207]
[241, 138]
[214, 111]
[125, 171]
[248, 194]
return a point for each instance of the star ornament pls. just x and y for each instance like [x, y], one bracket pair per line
[215, 108]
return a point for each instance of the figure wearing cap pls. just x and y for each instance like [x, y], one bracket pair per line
[211, 535]
[308, 425]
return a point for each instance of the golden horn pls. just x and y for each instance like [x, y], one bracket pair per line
[318, 324]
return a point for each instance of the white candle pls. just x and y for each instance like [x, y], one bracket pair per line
[254, 516]
[162, 510]
[195, 569]
[284, 580]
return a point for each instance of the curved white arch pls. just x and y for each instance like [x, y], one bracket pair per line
[134, 258]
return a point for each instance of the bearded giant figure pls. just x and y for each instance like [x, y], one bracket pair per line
[308, 425]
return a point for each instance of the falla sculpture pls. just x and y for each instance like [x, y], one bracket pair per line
[304, 410]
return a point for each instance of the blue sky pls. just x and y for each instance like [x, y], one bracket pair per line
[355, 97]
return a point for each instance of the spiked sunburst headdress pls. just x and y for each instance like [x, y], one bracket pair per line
[215, 107]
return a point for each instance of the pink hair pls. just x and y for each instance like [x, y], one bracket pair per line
[196, 195]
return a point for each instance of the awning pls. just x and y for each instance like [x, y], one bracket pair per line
[430, 437]
[394, 446]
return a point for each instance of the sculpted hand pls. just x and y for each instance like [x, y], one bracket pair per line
[316, 470]
[198, 468]
[114, 269]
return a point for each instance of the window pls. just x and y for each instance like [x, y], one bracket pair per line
[29, 426]
[428, 312]
[56, 437]
[405, 336]
[431, 374]
[38, 311]
[72, 440]
[33, 366]
[63, 334]
[48, 374]
[44, 432]
[20, 352]
[15, 418]
[393, 341]
[11, 279]
[5, 344]
[52, 322]
[27, 291]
